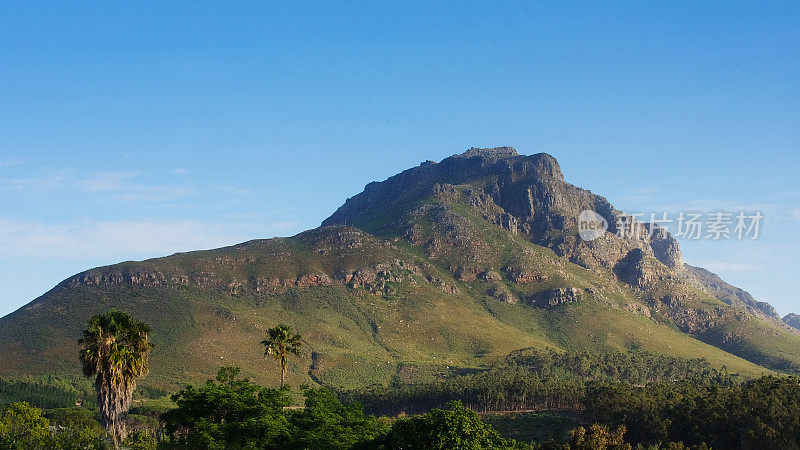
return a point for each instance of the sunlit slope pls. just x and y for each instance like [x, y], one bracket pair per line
[443, 267]
[370, 311]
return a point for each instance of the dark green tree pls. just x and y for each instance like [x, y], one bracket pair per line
[328, 423]
[598, 437]
[455, 427]
[114, 349]
[280, 343]
[228, 413]
[23, 427]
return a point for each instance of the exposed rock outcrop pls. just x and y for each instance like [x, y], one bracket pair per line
[732, 295]
[528, 196]
[552, 298]
[502, 293]
[524, 194]
[793, 320]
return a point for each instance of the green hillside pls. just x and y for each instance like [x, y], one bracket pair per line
[401, 323]
[416, 286]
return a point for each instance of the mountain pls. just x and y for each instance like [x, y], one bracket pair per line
[444, 267]
[731, 295]
[792, 319]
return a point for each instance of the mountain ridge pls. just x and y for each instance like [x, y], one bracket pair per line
[446, 265]
[664, 247]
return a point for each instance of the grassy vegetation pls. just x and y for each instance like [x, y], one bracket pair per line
[356, 337]
[213, 307]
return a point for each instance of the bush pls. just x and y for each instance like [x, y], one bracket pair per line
[328, 423]
[23, 427]
[141, 440]
[228, 413]
[456, 427]
[598, 437]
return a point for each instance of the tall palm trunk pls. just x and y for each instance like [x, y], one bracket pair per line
[115, 349]
[284, 363]
[114, 400]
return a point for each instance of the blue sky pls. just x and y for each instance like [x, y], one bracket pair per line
[135, 130]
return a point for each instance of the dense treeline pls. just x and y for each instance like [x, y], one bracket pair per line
[634, 367]
[763, 413]
[47, 392]
[537, 380]
[504, 388]
[231, 412]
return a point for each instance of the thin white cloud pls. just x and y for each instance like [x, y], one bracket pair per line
[119, 185]
[235, 190]
[122, 185]
[9, 162]
[180, 171]
[719, 266]
[796, 214]
[123, 239]
[47, 182]
[106, 182]
[141, 192]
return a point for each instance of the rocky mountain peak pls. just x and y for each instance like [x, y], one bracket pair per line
[526, 194]
[793, 320]
[490, 153]
[396, 263]
[506, 162]
[502, 164]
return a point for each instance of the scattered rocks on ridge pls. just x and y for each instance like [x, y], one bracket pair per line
[555, 297]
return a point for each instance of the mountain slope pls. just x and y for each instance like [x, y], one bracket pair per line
[527, 196]
[443, 267]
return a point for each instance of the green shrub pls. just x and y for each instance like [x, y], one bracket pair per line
[23, 427]
[456, 427]
[228, 413]
[328, 423]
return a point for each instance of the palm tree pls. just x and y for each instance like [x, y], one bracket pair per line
[280, 343]
[115, 349]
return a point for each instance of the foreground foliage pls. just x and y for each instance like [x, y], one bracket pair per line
[23, 427]
[455, 427]
[706, 411]
[235, 413]
[228, 413]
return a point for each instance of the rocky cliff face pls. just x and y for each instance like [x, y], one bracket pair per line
[729, 294]
[793, 320]
[448, 264]
[527, 195]
[234, 274]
